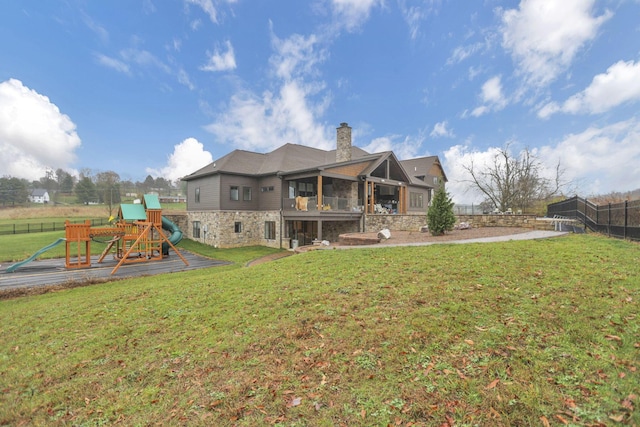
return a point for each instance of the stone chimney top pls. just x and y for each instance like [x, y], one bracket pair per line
[343, 147]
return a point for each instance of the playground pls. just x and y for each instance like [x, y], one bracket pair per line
[137, 242]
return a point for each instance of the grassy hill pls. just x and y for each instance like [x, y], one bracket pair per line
[516, 333]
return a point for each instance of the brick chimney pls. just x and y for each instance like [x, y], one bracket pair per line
[343, 148]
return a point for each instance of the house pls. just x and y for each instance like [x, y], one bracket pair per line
[295, 194]
[39, 195]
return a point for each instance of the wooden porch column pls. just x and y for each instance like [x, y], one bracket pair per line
[372, 199]
[365, 202]
[319, 193]
[402, 203]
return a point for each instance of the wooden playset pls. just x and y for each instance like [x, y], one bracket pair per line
[137, 236]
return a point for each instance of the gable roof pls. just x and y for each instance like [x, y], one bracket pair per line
[420, 167]
[39, 192]
[285, 159]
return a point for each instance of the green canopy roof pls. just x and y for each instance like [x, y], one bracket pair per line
[151, 201]
[132, 212]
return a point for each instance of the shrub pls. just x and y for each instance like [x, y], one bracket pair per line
[440, 217]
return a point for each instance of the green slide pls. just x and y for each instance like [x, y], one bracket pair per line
[17, 265]
[174, 237]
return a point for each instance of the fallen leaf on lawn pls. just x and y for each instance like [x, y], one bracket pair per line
[617, 418]
[481, 329]
[324, 379]
[545, 421]
[492, 384]
[613, 337]
[294, 402]
[470, 342]
[562, 420]
[626, 403]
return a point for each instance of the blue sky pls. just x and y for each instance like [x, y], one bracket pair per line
[164, 87]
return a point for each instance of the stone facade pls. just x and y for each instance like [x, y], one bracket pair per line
[331, 230]
[395, 222]
[178, 219]
[221, 231]
[346, 189]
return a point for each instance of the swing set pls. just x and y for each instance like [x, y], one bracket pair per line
[137, 236]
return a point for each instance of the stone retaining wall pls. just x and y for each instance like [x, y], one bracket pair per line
[414, 222]
[525, 221]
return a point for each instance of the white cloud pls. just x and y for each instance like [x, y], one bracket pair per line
[208, 8]
[415, 14]
[221, 61]
[600, 159]
[441, 130]
[132, 57]
[266, 122]
[144, 58]
[595, 161]
[187, 157]
[184, 79]
[98, 29]
[492, 91]
[112, 63]
[619, 85]
[461, 53]
[491, 96]
[351, 14]
[296, 56]
[404, 148]
[34, 134]
[545, 36]
[458, 185]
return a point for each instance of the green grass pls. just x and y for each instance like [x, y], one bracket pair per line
[16, 247]
[515, 333]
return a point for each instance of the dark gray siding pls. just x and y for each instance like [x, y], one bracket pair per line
[228, 181]
[425, 199]
[209, 193]
[270, 200]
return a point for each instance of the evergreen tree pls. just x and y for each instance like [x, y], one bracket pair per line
[440, 217]
[86, 191]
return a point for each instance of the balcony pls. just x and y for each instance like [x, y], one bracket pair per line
[330, 205]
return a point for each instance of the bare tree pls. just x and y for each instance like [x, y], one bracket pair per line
[108, 186]
[515, 182]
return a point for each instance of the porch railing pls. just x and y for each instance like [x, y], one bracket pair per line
[329, 204]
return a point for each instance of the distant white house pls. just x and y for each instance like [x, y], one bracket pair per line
[39, 195]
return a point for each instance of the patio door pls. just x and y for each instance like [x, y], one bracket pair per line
[302, 231]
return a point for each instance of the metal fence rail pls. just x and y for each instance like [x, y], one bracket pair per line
[40, 227]
[621, 220]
